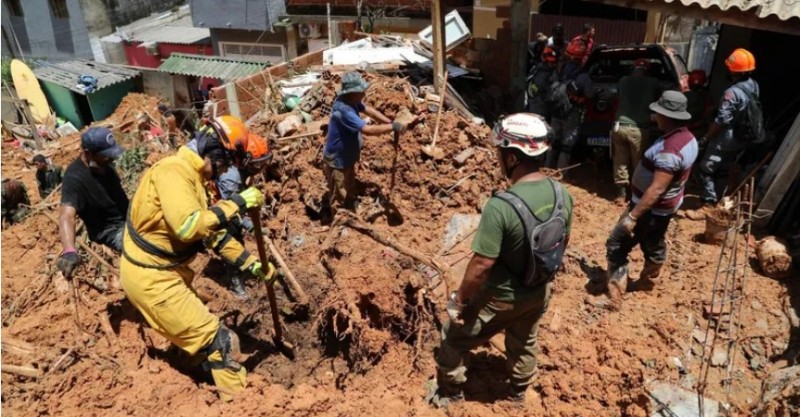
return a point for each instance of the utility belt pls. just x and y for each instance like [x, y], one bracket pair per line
[174, 258]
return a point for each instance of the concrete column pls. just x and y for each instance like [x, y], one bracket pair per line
[520, 34]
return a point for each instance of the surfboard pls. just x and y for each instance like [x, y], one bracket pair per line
[28, 88]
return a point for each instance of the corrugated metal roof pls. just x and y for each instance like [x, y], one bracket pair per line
[210, 66]
[784, 9]
[66, 73]
[179, 31]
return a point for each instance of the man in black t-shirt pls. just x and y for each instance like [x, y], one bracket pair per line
[92, 191]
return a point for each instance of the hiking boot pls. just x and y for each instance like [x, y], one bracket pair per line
[237, 287]
[699, 214]
[441, 396]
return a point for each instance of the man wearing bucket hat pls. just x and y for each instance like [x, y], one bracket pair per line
[657, 192]
[92, 191]
[343, 144]
[730, 132]
[508, 282]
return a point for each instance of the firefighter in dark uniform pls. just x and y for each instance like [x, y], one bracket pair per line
[724, 138]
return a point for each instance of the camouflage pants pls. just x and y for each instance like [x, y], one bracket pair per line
[484, 319]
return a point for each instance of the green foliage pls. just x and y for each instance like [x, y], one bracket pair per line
[6, 72]
[130, 166]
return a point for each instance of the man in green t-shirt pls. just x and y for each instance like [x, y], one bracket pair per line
[493, 297]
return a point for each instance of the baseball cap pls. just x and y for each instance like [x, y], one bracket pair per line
[101, 140]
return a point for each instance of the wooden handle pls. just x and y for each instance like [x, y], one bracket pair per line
[255, 216]
[439, 111]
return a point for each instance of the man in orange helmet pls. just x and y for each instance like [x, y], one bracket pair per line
[169, 222]
[232, 182]
[730, 132]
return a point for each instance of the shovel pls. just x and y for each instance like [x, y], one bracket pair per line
[431, 150]
[284, 346]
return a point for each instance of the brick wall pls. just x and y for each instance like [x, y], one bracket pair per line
[250, 90]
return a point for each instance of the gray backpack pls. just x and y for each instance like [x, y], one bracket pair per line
[545, 238]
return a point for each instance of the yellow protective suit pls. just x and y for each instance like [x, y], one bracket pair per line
[170, 213]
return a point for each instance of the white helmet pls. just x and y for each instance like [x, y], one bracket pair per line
[527, 132]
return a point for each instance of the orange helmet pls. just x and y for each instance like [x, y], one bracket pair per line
[741, 60]
[697, 78]
[232, 133]
[257, 148]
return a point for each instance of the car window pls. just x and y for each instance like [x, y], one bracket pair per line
[607, 67]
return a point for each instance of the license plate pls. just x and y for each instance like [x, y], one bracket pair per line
[597, 141]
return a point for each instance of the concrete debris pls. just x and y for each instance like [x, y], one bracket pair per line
[719, 357]
[668, 400]
[780, 394]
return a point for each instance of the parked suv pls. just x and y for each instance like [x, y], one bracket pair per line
[607, 64]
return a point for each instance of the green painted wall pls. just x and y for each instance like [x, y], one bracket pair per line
[106, 100]
[63, 102]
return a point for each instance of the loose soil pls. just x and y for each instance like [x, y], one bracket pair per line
[366, 347]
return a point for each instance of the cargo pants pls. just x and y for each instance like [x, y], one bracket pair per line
[341, 184]
[714, 168]
[626, 149]
[649, 233]
[484, 319]
[566, 134]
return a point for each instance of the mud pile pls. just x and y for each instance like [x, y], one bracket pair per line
[374, 279]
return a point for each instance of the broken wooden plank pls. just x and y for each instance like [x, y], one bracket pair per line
[17, 347]
[21, 370]
[462, 157]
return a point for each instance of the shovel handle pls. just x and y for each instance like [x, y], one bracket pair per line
[443, 94]
[255, 216]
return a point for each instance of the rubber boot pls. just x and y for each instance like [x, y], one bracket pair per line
[651, 271]
[622, 195]
[617, 286]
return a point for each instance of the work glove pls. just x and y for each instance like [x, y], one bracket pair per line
[626, 224]
[251, 197]
[257, 269]
[67, 262]
[398, 127]
[454, 309]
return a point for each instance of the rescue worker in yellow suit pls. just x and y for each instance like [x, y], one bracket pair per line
[168, 223]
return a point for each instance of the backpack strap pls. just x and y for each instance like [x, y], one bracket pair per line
[529, 223]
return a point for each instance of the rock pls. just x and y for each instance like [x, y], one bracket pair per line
[676, 363]
[298, 240]
[756, 305]
[672, 401]
[688, 381]
[699, 335]
[462, 157]
[762, 324]
[719, 357]
[756, 363]
[780, 393]
[459, 226]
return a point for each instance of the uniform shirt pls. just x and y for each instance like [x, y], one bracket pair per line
[635, 94]
[501, 236]
[97, 197]
[48, 179]
[229, 183]
[733, 103]
[343, 144]
[674, 153]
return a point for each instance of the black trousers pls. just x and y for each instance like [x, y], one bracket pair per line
[649, 233]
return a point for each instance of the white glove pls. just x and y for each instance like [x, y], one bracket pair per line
[454, 309]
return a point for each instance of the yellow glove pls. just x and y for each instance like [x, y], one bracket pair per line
[252, 197]
[258, 271]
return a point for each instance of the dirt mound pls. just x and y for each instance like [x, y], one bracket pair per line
[373, 278]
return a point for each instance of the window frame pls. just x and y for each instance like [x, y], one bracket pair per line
[253, 57]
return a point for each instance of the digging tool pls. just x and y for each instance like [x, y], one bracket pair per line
[431, 150]
[303, 303]
[277, 338]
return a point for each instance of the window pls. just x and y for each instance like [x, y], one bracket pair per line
[14, 7]
[59, 8]
[273, 54]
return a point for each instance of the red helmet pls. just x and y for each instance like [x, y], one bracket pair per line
[697, 78]
[641, 63]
